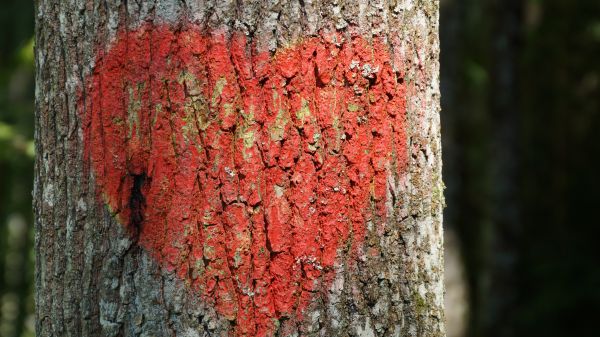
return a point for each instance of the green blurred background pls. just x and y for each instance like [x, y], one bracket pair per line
[520, 99]
[16, 168]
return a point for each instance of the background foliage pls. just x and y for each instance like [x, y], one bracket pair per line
[521, 119]
[16, 168]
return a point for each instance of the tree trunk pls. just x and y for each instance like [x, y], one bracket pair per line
[219, 168]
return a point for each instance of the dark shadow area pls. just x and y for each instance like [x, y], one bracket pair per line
[520, 100]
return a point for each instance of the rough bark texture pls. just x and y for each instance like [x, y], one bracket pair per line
[94, 278]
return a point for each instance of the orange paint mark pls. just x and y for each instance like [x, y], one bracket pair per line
[246, 173]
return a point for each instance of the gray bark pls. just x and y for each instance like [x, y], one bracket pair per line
[93, 280]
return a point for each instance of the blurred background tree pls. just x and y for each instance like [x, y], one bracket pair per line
[16, 168]
[521, 112]
[520, 117]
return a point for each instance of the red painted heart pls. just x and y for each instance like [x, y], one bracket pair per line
[246, 173]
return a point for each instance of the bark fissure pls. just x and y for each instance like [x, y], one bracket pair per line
[137, 204]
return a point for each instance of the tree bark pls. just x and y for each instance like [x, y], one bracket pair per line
[99, 273]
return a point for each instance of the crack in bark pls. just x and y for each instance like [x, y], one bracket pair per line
[137, 204]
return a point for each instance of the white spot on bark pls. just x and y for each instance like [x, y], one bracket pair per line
[278, 190]
[49, 195]
[189, 332]
[368, 70]
[229, 171]
[81, 205]
[310, 260]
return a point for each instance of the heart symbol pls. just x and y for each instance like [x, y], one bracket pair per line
[246, 173]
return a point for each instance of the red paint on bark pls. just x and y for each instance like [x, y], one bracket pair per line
[244, 172]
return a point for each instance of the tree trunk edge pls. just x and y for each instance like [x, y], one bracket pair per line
[88, 273]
